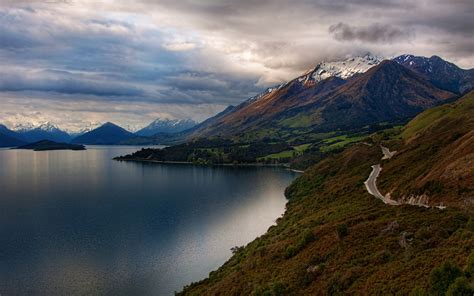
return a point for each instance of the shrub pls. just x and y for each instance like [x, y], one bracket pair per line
[236, 249]
[305, 238]
[460, 287]
[470, 224]
[442, 277]
[418, 291]
[290, 251]
[278, 289]
[334, 286]
[470, 265]
[342, 230]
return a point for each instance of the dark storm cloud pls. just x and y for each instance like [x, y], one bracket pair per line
[64, 82]
[192, 53]
[373, 33]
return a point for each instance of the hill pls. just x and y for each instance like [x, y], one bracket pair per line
[388, 91]
[45, 145]
[337, 239]
[106, 134]
[436, 163]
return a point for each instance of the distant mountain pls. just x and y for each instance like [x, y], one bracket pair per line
[86, 128]
[9, 138]
[45, 131]
[166, 126]
[388, 91]
[107, 134]
[441, 73]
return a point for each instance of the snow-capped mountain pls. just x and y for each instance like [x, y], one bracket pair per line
[48, 127]
[44, 126]
[330, 96]
[43, 131]
[85, 129]
[343, 69]
[23, 127]
[166, 126]
[441, 73]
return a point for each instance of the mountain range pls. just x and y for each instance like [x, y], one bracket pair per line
[439, 72]
[350, 94]
[45, 131]
[331, 97]
[94, 133]
[166, 126]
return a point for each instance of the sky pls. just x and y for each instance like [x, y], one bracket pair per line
[82, 62]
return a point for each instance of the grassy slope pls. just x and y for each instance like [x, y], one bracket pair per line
[437, 158]
[336, 239]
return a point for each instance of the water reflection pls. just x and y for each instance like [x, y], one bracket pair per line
[75, 222]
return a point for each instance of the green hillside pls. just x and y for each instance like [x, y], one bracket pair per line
[336, 239]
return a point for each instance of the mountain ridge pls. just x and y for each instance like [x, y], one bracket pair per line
[302, 107]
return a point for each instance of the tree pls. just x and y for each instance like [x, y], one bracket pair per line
[342, 230]
[442, 277]
[460, 287]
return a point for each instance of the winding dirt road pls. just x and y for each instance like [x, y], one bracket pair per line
[371, 182]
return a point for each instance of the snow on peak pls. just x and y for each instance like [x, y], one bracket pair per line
[343, 69]
[267, 91]
[48, 126]
[86, 127]
[44, 126]
[171, 122]
[22, 127]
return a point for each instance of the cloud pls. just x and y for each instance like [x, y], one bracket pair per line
[177, 58]
[374, 33]
[64, 82]
[179, 46]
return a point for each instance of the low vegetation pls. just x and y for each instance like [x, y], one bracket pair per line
[336, 239]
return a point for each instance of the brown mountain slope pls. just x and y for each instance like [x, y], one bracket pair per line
[436, 163]
[386, 92]
[257, 113]
[336, 239]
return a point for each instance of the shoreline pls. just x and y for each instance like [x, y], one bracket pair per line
[282, 165]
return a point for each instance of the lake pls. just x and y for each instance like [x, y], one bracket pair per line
[79, 223]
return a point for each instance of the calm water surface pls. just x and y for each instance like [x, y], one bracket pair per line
[78, 223]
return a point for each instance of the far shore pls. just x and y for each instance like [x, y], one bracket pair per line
[256, 164]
